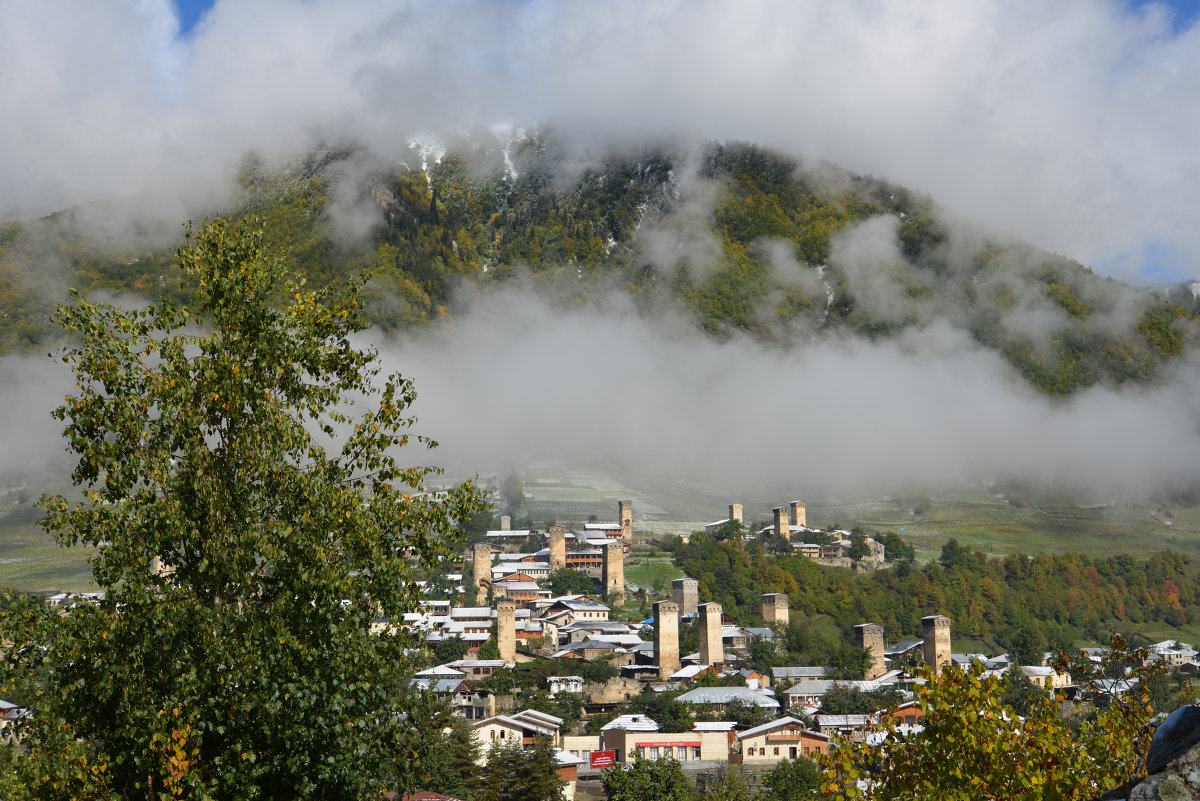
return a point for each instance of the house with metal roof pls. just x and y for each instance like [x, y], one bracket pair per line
[721, 697]
[632, 723]
[784, 738]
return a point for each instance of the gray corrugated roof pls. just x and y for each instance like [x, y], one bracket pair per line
[799, 672]
[725, 695]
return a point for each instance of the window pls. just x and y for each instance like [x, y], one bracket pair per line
[681, 753]
[695, 752]
[653, 752]
[776, 750]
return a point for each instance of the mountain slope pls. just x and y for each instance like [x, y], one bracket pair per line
[742, 239]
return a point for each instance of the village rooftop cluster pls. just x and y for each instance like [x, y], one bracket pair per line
[528, 622]
[508, 603]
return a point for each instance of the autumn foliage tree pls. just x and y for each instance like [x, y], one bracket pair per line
[973, 746]
[250, 522]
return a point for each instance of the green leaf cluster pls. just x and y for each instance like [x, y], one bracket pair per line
[1065, 597]
[252, 525]
[974, 746]
[661, 779]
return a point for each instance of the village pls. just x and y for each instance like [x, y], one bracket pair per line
[789, 715]
[597, 654]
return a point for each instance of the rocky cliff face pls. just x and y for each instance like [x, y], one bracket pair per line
[1173, 763]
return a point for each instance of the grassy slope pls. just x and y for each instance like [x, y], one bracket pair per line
[31, 560]
[644, 571]
[990, 524]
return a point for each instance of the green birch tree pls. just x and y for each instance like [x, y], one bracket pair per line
[251, 525]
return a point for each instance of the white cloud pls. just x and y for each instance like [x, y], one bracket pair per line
[516, 382]
[1071, 123]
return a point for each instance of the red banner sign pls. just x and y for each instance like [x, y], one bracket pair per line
[603, 759]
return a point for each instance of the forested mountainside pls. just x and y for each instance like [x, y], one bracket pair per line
[743, 239]
[1061, 597]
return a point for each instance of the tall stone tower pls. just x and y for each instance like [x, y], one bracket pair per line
[481, 571]
[506, 630]
[666, 637]
[626, 510]
[735, 512]
[775, 609]
[613, 574]
[686, 594]
[870, 637]
[799, 514]
[936, 629]
[781, 521]
[557, 537]
[506, 522]
[712, 649]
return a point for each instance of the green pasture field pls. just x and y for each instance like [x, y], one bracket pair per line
[991, 524]
[644, 571]
[31, 560]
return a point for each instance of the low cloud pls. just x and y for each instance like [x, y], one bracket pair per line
[515, 381]
[30, 387]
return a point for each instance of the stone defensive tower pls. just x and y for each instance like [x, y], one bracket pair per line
[626, 511]
[735, 512]
[557, 542]
[506, 522]
[781, 521]
[686, 594]
[613, 574]
[506, 630]
[870, 637]
[481, 571]
[666, 638]
[936, 629]
[799, 514]
[712, 649]
[775, 609]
